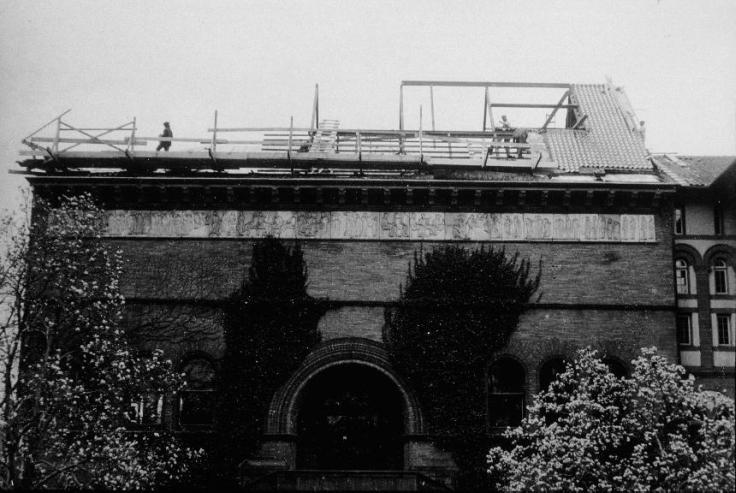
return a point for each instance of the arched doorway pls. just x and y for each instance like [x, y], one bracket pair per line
[350, 416]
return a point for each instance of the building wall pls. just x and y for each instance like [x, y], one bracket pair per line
[572, 273]
[610, 295]
[699, 216]
[615, 297]
[711, 362]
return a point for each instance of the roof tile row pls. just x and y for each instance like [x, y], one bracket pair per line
[607, 142]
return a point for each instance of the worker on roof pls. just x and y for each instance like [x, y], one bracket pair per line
[504, 123]
[165, 144]
[505, 126]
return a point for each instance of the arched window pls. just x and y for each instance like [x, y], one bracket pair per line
[682, 276]
[616, 367]
[506, 379]
[549, 371]
[720, 276]
[196, 400]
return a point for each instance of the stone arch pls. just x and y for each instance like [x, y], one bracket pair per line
[184, 358]
[610, 360]
[547, 363]
[510, 356]
[282, 415]
[726, 252]
[688, 254]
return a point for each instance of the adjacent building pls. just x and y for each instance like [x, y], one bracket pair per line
[704, 249]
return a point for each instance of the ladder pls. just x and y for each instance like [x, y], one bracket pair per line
[325, 137]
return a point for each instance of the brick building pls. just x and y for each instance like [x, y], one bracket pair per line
[584, 197]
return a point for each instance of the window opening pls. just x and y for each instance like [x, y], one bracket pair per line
[682, 277]
[549, 372]
[616, 367]
[718, 219]
[684, 329]
[506, 380]
[724, 329]
[196, 400]
[720, 275]
[146, 410]
[679, 220]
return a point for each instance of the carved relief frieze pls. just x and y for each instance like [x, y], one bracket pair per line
[367, 225]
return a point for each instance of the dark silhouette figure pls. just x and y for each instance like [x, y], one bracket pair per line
[166, 133]
[505, 127]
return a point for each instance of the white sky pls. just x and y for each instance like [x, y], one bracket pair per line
[257, 62]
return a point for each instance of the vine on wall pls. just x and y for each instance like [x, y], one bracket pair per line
[270, 326]
[458, 308]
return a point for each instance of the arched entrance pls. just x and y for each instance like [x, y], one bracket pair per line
[350, 417]
[360, 360]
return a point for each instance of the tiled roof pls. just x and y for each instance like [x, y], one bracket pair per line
[607, 141]
[694, 171]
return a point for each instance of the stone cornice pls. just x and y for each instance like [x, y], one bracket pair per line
[168, 193]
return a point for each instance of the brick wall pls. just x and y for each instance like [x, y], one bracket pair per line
[373, 271]
[719, 381]
[586, 288]
[543, 334]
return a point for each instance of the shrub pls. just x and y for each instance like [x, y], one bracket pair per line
[592, 431]
[270, 326]
[459, 307]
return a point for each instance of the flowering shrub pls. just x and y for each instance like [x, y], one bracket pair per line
[69, 374]
[591, 431]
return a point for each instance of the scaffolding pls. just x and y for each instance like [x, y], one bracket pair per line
[72, 147]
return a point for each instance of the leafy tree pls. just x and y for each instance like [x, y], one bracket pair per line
[68, 373]
[270, 326]
[591, 431]
[459, 307]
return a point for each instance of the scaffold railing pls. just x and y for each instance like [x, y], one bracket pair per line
[448, 144]
[61, 145]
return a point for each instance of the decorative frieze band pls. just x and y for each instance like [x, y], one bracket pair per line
[362, 225]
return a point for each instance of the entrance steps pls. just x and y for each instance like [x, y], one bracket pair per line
[321, 480]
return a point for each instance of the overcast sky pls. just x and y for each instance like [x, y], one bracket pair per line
[257, 62]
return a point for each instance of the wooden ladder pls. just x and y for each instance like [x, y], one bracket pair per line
[325, 137]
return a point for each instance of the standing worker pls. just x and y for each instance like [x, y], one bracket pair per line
[165, 144]
[505, 126]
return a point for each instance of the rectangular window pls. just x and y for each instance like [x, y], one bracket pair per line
[679, 220]
[718, 219]
[147, 410]
[684, 329]
[720, 276]
[682, 277]
[196, 407]
[682, 282]
[505, 410]
[724, 329]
